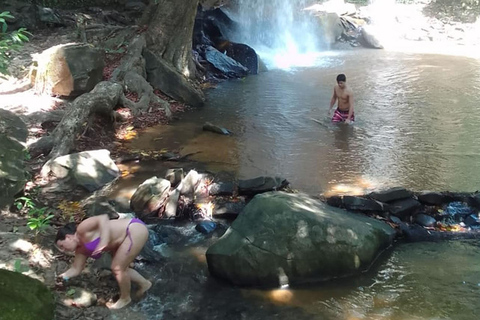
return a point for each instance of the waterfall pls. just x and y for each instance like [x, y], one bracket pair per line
[282, 33]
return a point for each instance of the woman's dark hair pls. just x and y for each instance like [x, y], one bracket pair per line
[69, 228]
[341, 77]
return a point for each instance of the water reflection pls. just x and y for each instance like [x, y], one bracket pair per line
[417, 124]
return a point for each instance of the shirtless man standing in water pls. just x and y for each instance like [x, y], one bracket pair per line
[344, 111]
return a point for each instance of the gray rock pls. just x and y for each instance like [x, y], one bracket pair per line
[335, 201]
[81, 297]
[98, 206]
[13, 134]
[224, 63]
[68, 69]
[150, 196]
[216, 129]
[404, 208]
[392, 194]
[24, 298]
[473, 220]
[283, 238]
[222, 189]
[228, 208]
[164, 77]
[475, 200]
[175, 176]
[89, 169]
[354, 203]
[425, 220]
[431, 198]
[260, 185]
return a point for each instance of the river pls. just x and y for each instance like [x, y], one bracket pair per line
[417, 127]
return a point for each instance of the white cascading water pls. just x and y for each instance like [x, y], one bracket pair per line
[282, 33]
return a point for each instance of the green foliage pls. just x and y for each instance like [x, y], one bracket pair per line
[9, 41]
[19, 267]
[38, 218]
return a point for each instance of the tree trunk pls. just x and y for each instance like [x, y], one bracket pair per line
[102, 99]
[170, 32]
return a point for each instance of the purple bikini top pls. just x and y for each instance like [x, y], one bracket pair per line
[91, 246]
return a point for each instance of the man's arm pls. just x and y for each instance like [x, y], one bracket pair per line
[333, 100]
[350, 110]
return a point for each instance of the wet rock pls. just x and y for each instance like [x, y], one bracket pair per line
[391, 194]
[175, 176]
[425, 220]
[13, 134]
[368, 38]
[241, 53]
[24, 298]
[172, 204]
[228, 208]
[416, 233]
[404, 208]
[206, 227]
[395, 219]
[475, 200]
[335, 201]
[260, 185]
[150, 196]
[189, 183]
[283, 238]
[89, 169]
[222, 189]
[431, 198]
[354, 203]
[68, 69]
[224, 63]
[216, 129]
[473, 220]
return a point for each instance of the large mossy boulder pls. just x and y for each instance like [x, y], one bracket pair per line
[283, 238]
[13, 134]
[24, 298]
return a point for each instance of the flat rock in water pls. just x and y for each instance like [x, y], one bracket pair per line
[354, 203]
[221, 189]
[404, 208]
[431, 198]
[261, 185]
[391, 194]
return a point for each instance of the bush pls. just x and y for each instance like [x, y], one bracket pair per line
[9, 41]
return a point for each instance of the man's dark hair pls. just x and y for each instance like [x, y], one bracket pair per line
[69, 228]
[341, 77]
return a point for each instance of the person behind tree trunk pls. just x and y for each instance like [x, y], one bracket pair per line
[124, 238]
[342, 93]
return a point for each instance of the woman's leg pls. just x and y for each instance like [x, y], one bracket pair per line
[124, 255]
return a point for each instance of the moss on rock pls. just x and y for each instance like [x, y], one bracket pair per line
[24, 298]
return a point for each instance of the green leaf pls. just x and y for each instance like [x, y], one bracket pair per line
[70, 292]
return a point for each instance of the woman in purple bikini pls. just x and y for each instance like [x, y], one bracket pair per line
[124, 238]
